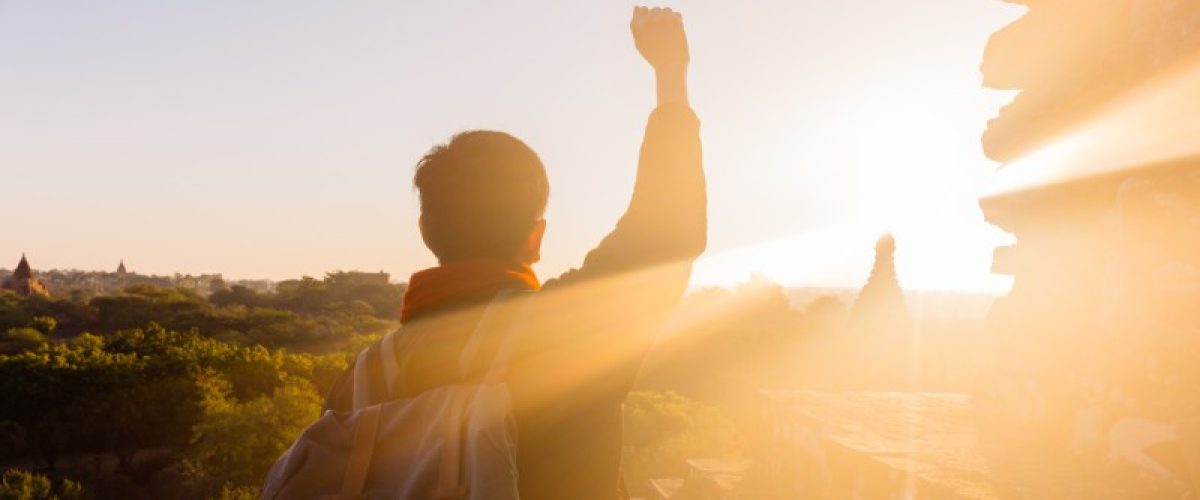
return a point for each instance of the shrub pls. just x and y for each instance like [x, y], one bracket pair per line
[237, 443]
[44, 324]
[21, 485]
[25, 338]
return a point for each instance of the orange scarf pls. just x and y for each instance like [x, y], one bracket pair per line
[456, 282]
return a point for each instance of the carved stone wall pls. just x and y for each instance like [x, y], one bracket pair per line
[1101, 333]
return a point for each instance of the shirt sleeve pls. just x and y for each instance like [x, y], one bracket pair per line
[591, 327]
[666, 221]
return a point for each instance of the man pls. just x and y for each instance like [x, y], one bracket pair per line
[583, 334]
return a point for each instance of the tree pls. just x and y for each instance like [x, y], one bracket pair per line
[140, 389]
[160, 377]
[25, 338]
[17, 484]
[662, 429]
[50, 392]
[236, 443]
[44, 324]
[237, 295]
[156, 412]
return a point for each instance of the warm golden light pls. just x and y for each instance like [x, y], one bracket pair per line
[1149, 125]
[751, 250]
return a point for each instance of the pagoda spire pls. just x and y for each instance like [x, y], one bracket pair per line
[23, 270]
[23, 282]
[882, 292]
[881, 329]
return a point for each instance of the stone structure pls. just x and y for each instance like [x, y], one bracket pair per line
[880, 305]
[880, 329]
[902, 445]
[872, 445]
[709, 479]
[357, 278]
[1099, 341]
[203, 284]
[22, 281]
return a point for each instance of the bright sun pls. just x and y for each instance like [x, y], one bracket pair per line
[894, 167]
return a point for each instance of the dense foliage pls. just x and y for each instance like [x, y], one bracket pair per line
[172, 394]
[172, 398]
[16, 484]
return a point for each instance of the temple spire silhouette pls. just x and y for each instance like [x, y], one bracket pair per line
[879, 331]
[22, 281]
[23, 271]
[880, 303]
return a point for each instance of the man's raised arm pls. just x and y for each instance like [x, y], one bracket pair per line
[594, 325]
[666, 219]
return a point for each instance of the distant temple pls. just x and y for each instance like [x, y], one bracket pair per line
[22, 281]
[880, 305]
[880, 330]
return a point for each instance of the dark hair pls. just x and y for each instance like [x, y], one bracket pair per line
[481, 194]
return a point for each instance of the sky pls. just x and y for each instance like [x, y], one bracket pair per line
[276, 139]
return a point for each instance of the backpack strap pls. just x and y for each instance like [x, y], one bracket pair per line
[502, 317]
[391, 368]
[498, 368]
[361, 381]
[359, 464]
[449, 483]
[501, 312]
[373, 382]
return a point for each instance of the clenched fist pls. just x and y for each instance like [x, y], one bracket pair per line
[659, 37]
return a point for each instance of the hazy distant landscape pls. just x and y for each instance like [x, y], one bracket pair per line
[222, 357]
[923, 304]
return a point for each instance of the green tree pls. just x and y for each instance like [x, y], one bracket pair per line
[44, 324]
[237, 295]
[236, 443]
[50, 392]
[140, 389]
[140, 305]
[663, 429]
[25, 338]
[155, 412]
[17, 484]
[253, 370]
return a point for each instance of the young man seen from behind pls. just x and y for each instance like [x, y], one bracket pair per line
[584, 334]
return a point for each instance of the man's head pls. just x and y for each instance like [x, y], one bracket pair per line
[483, 195]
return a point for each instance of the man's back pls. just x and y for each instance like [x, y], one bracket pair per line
[585, 333]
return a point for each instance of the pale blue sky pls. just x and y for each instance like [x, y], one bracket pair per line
[275, 139]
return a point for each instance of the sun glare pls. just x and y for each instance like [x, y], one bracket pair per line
[1147, 126]
[819, 257]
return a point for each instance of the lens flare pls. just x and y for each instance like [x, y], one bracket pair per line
[1148, 126]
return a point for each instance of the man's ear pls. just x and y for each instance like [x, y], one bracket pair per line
[531, 251]
[421, 227]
